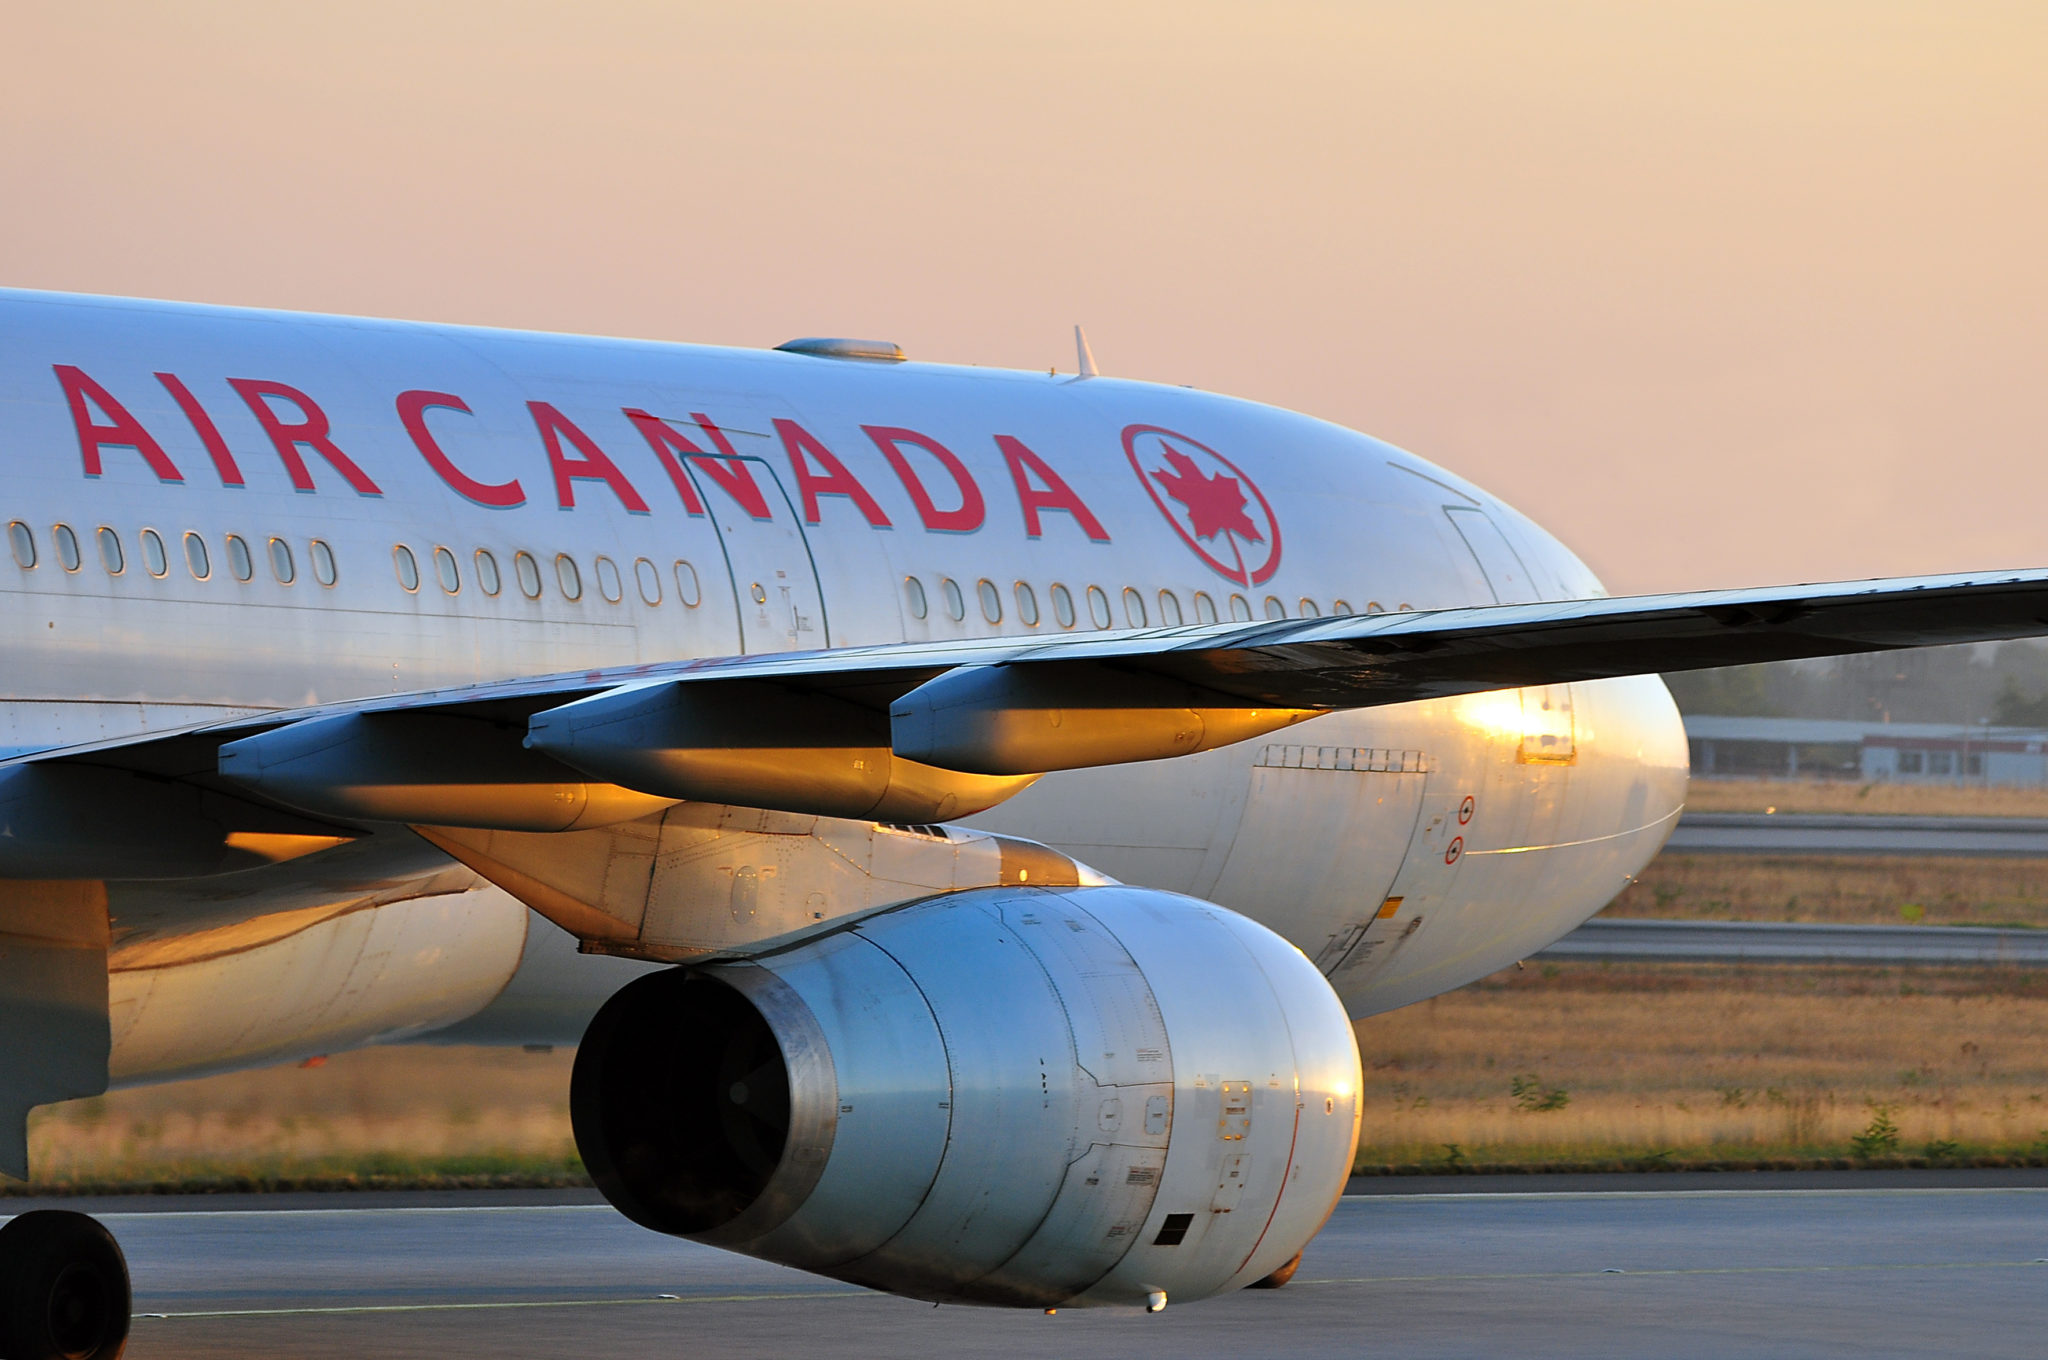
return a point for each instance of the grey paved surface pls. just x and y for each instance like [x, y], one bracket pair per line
[1794, 833]
[1614, 939]
[1851, 1272]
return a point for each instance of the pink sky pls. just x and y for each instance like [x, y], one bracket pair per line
[1723, 293]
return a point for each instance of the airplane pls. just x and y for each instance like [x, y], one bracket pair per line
[959, 813]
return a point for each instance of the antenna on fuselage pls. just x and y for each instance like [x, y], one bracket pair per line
[1085, 356]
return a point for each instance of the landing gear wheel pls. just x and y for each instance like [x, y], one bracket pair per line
[63, 1288]
[1280, 1276]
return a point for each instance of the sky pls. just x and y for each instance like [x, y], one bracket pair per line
[1722, 293]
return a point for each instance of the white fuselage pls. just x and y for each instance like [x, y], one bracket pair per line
[638, 502]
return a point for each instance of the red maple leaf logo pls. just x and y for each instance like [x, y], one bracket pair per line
[1215, 504]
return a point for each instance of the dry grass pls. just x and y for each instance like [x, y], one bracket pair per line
[1847, 795]
[1663, 1065]
[408, 1113]
[1692, 1064]
[1860, 890]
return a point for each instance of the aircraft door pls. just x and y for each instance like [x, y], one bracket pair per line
[1350, 812]
[776, 594]
[1497, 559]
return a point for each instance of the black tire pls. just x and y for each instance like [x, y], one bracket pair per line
[1280, 1276]
[63, 1288]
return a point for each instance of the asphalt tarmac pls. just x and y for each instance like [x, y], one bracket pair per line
[1959, 1267]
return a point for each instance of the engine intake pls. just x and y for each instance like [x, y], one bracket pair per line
[1016, 1096]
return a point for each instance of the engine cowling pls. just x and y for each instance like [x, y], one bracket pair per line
[1011, 1096]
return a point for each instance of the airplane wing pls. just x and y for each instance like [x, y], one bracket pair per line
[916, 732]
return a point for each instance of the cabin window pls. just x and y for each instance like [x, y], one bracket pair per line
[1309, 610]
[323, 563]
[154, 558]
[1134, 608]
[1169, 609]
[1340, 606]
[239, 560]
[1205, 608]
[23, 541]
[1240, 609]
[956, 605]
[195, 557]
[648, 577]
[1062, 605]
[913, 597]
[528, 572]
[1027, 605]
[444, 570]
[281, 565]
[687, 589]
[408, 569]
[487, 578]
[67, 547]
[110, 551]
[568, 577]
[1375, 607]
[991, 600]
[1098, 607]
[608, 583]
[1275, 609]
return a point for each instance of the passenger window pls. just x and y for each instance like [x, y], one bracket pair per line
[239, 560]
[568, 577]
[1134, 608]
[1169, 609]
[687, 589]
[1027, 605]
[23, 541]
[913, 597]
[1375, 607]
[1205, 608]
[991, 600]
[1062, 606]
[408, 569]
[1275, 609]
[1098, 606]
[487, 579]
[955, 605]
[648, 579]
[608, 583]
[281, 565]
[154, 558]
[67, 547]
[1309, 610]
[195, 557]
[528, 572]
[444, 570]
[110, 551]
[1340, 606]
[1240, 610]
[323, 563]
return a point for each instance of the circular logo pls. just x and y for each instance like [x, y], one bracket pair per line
[1217, 510]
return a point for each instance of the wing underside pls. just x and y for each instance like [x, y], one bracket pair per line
[911, 733]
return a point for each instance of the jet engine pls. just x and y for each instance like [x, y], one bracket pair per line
[1033, 1097]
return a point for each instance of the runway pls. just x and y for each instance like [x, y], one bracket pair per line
[1811, 833]
[1854, 1272]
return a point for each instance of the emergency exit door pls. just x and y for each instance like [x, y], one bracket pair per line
[776, 593]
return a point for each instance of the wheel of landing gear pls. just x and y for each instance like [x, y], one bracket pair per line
[1280, 1276]
[63, 1288]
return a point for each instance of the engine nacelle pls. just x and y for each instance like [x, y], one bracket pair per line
[1013, 1096]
